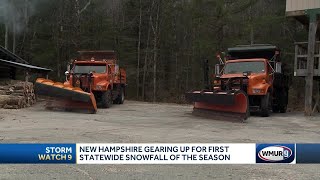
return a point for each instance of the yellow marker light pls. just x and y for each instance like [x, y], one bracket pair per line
[264, 81]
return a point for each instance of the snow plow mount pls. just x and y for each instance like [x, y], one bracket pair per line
[232, 104]
[65, 97]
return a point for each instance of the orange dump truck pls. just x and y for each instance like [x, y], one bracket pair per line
[249, 79]
[93, 80]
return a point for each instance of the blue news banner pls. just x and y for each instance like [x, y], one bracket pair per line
[199, 153]
[37, 153]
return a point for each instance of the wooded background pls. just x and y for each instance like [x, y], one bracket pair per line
[161, 43]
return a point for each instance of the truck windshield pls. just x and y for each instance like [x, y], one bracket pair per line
[240, 67]
[85, 68]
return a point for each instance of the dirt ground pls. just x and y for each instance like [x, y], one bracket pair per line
[137, 122]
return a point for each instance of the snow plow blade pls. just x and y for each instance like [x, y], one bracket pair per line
[232, 105]
[65, 97]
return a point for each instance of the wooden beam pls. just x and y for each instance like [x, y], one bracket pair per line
[317, 100]
[295, 13]
[298, 43]
[310, 64]
[27, 76]
[296, 59]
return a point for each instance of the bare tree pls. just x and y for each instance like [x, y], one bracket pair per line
[145, 65]
[156, 30]
[138, 51]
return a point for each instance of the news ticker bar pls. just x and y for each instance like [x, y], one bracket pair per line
[222, 153]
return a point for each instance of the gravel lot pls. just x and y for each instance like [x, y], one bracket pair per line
[137, 122]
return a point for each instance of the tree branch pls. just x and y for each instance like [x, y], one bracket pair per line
[85, 7]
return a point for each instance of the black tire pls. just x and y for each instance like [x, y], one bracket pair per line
[265, 102]
[106, 99]
[92, 112]
[281, 101]
[121, 97]
[68, 109]
[284, 103]
[275, 109]
[283, 109]
[49, 108]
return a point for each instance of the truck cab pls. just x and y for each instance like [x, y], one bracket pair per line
[257, 71]
[98, 72]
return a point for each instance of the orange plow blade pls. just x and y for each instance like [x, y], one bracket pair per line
[232, 105]
[66, 97]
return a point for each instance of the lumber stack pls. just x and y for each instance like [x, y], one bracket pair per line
[16, 94]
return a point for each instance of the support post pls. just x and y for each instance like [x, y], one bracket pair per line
[27, 76]
[296, 59]
[6, 36]
[317, 105]
[310, 63]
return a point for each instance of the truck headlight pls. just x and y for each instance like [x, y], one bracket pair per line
[99, 87]
[257, 91]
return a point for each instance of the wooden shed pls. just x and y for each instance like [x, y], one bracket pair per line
[298, 9]
[301, 5]
[10, 63]
[307, 54]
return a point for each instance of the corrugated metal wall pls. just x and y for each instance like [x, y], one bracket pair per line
[296, 5]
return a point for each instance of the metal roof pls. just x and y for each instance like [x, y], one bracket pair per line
[11, 59]
[253, 48]
[26, 66]
[6, 54]
[264, 51]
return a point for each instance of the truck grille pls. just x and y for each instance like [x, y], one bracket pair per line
[81, 82]
[236, 84]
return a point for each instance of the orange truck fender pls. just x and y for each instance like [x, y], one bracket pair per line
[102, 86]
[258, 85]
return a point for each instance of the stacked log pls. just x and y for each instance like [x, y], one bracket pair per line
[16, 94]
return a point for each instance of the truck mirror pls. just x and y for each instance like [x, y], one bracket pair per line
[217, 70]
[278, 67]
[67, 73]
[69, 67]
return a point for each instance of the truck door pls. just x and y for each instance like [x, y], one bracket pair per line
[110, 74]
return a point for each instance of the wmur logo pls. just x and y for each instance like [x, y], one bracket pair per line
[275, 153]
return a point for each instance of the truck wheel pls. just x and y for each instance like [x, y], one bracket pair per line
[265, 102]
[283, 109]
[106, 99]
[284, 103]
[120, 98]
[92, 112]
[275, 109]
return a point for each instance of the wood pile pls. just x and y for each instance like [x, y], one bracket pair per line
[16, 94]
